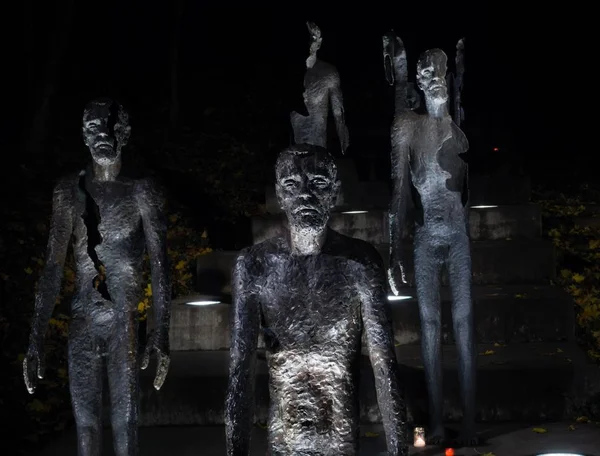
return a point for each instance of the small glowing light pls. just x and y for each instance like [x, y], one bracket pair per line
[355, 212]
[202, 303]
[560, 454]
[482, 207]
[496, 149]
[449, 452]
[398, 298]
[419, 437]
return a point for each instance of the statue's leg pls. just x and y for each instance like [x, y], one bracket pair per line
[85, 384]
[122, 366]
[429, 260]
[459, 274]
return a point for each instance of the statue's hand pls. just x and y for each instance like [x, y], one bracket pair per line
[345, 140]
[396, 275]
[34, 365]
[158, 343]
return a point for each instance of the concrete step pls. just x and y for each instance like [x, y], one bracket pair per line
[485, 223]
[507, 314]
[516, 382]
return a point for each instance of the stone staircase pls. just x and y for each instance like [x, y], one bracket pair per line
[529, 366]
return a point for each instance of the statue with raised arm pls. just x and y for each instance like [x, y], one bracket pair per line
[110, 221]
[312, 293]
[426, 153]
[322, 90]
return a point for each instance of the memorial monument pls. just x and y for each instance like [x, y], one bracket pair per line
[322, 90]
[427, 168]
[313, 293]
[110, 221]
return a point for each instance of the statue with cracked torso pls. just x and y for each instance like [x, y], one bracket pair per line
[110, 220]
[426, 153]
[322, 90]
[313, 294]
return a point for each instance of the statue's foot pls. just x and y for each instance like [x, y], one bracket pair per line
[467, 438]
[437, 436]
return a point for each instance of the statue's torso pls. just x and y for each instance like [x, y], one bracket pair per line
[311, 318]
[121, 248]
[437, 171]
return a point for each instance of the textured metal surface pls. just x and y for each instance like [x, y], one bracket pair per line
[322, 90]
[110, 220]
[426, 151]
[314, 294]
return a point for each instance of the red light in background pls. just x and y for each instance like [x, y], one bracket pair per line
[449, 452]
[495, 149]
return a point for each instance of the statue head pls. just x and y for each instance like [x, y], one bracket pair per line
[394, 56]
[306, 185]
[315, 43]
[105, 130]
[431, 75]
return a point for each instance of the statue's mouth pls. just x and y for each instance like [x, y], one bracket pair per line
[306, 210]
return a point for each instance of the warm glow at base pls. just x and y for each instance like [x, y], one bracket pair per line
[482, 207]
[202, 303]
[355, 212]
[398, 298]
[419, 437]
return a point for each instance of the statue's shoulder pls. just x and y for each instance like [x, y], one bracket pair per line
[68, 183]
[262, 250]
[406, 119]
[354, 249]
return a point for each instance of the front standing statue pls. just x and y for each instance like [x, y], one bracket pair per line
[313, 293]
[111, 219]
[322, 89]
[426, 150]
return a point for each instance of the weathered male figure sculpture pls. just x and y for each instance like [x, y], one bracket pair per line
[313, 294]
[426, 151]
[111, 219]
[322, 89]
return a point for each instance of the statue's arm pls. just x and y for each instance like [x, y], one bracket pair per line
[377, 323]
[337, 106]
[239, 402]
[400, 137]
[151, 202]
[61, 228]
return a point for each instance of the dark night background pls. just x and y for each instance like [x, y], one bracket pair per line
[209, 87]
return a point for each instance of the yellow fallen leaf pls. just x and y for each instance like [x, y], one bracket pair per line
[540, 430]
[571, 427]
[578, 278]
[496, 344]
[371, 434]
[180, 265]
[582, 419]
[558, 350]
[488, 352]
[28, 270]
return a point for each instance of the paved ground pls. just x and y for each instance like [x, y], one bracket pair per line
[501, 440]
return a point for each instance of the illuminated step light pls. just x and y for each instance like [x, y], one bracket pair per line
[398, 298]
[354, 212]
[202, 303]
[198, 300]
[482, 207]
[560, 454]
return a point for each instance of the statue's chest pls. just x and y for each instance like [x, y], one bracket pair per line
[311, 303]
[112, 209]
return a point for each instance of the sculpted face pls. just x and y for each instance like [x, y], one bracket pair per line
[306, 185]
[431, 75]
[105, 130]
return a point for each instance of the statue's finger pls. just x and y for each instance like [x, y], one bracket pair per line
[28, 377]
[161, 370]
[41, 367]
[146, 358]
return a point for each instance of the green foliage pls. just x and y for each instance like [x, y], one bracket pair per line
[574, 228]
